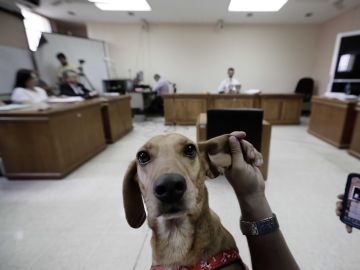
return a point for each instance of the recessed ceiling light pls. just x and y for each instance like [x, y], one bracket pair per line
[123, 5]
[309, 14]
[256, 5]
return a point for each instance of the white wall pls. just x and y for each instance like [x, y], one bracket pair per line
[271, 58]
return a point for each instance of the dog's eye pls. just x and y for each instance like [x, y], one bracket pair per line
[190, 150]
[143, 157]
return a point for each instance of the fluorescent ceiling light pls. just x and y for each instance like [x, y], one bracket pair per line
[256, 5]
[122, 5]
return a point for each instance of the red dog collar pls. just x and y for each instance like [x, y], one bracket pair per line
[221, 259]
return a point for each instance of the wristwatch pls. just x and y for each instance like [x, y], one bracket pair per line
[261, 227]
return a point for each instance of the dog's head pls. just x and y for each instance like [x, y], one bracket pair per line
[169, 173]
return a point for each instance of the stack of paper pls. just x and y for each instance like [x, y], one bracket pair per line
[64, 99]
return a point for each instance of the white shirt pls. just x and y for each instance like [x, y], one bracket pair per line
[23, 95]
[77, 89]
[161, 87]
[228, 84]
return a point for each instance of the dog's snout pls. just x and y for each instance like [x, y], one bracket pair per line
[169, 188]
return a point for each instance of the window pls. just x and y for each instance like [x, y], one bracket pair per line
[34, 26]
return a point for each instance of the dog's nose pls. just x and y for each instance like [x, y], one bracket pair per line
[169, 188]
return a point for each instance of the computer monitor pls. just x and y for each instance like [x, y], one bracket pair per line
[121, 86]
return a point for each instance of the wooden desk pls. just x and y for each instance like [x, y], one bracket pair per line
[233, 101]
[278, 108]
[355, 140]
[332, 120]
[117, 120]
[281, 108]
[52, 143]
[184, 109]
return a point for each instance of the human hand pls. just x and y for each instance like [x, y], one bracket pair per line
[244, 174]
[339, 209]
[94, 93]
[246, 178]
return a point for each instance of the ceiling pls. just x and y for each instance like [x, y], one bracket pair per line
[199, 11]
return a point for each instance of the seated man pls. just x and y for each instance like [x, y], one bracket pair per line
[71, 87]
[229, 85]
[161, 87]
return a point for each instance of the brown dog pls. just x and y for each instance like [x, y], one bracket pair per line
[168, 175]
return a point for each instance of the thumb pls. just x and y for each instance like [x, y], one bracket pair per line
[235, 150]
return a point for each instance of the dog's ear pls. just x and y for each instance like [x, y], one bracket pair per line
[215, 154]
[133, 204]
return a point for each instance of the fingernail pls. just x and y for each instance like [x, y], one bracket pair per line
[258, 162]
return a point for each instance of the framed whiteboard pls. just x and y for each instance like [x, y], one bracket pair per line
[75, 48]
[12, 59]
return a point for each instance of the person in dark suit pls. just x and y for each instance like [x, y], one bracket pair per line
[71, 87]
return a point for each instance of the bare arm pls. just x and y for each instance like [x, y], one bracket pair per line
[268, 251]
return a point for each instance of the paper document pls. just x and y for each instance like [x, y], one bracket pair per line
[64, 99]
[13, 107]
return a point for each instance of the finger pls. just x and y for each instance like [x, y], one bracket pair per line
[248, 150]
[340, 196]
[339, 205]
[238, 134]
[338, 212]
[235, 149]
[348, 229]
[258, 161]
[252, 155]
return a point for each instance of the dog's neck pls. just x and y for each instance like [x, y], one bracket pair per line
[186, 240]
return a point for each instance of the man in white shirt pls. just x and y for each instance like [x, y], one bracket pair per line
[229, 84]
[161, 86]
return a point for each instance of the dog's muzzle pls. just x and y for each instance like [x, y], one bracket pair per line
[169, 188]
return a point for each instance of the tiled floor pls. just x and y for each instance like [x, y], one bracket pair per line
[78, 223]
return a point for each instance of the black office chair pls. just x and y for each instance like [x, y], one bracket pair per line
[224, 121]
[305, 86]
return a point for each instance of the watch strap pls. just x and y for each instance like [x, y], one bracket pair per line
[261, 227]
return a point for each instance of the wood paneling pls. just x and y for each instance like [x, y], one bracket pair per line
[355, 140]
[281, 108]
[184, 108]
[116, 117]
[50, 143]
[332, 120]
[233, 101]
[278, 108]
[12, 32]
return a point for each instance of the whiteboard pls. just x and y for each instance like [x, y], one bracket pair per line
[12, 59]
[75, 48]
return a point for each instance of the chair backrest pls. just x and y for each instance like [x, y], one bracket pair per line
[305, 86]
[224, 121]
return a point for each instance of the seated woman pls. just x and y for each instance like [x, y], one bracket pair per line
[26, 91]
